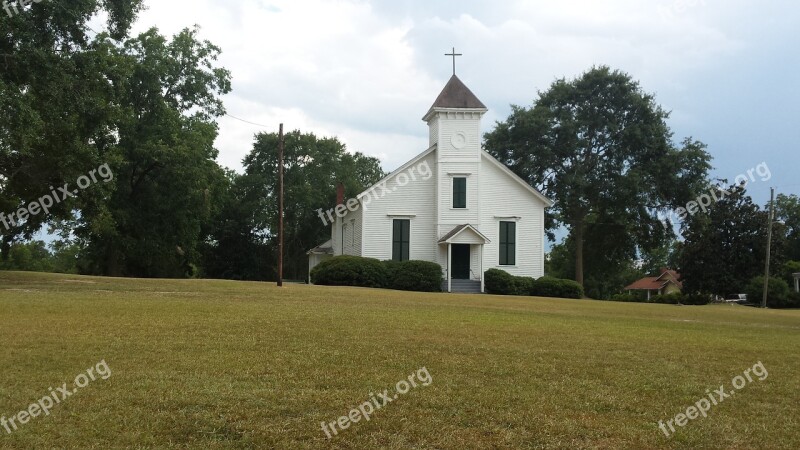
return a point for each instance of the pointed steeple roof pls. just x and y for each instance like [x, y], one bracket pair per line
[457, 95]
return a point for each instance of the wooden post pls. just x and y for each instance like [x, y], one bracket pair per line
[280, 206]
[769, 246]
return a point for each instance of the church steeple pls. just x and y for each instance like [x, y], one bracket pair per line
[458, 107]
[457, 95]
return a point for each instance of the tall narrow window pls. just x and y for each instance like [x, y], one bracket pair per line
[508, 243]
[459, 193]
[400, 239]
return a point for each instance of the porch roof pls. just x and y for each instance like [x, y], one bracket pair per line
[324, 249]
[479, 237]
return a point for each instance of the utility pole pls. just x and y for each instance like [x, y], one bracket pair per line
[280, 206]
[769, 246]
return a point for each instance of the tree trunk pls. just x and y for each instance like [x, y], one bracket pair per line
[578, 235]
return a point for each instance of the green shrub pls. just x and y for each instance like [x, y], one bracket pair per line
[499, 282]
[420, 276]
[350, 271]
[668, 299]
[523, 285]
[557, 288]
[777, 296]
[627, 297]
[391, 270]
[695, 299]
[793, 301]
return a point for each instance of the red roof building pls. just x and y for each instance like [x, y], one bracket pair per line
[667, 282]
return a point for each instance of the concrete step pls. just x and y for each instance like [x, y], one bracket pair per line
[464, 286]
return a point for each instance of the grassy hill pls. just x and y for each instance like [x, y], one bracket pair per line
[217, 364]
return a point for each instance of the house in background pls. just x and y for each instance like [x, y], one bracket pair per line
[668, 282]
[453, 204]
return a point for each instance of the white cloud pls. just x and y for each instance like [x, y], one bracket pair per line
[367, 72]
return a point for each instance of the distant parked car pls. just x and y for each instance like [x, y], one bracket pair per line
[736, 298]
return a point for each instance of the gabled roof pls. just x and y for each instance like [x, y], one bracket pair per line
[647, 283]
[667, 273]
[456, 95]
[656, 283]
[323, 249]
[458, 230]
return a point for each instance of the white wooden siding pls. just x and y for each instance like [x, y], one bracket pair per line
[449, 217]
[415, 201]
[501, 199]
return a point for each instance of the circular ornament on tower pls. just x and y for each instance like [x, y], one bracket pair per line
[459, 140]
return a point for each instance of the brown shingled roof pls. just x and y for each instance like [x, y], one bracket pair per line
[457, 95]
[656, 283]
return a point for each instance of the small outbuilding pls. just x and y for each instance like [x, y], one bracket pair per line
[318, 254]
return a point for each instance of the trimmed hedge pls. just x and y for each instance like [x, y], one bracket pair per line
[676, 298]
[667, 299]
[695, 299]
[626, 298]
[420, 276]
[350, 271]
[501, 282]
[346, 270]
[556, 287]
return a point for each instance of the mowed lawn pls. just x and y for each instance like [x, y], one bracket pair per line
[218, 364]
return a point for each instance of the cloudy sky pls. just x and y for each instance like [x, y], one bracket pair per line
[367, 71]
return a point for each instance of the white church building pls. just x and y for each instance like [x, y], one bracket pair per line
[453, 204]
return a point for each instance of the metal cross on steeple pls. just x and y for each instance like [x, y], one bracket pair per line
[454, 54]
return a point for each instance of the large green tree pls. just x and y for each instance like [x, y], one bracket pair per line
[72, 100]
[313, 168]
[57, 106]
[166, 177]
[725, 247]
[599, 146]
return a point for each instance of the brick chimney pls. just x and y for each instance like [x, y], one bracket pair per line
[339, 194]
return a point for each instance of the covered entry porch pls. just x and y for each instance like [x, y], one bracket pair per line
[464, 268]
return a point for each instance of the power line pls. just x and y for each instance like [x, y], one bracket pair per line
[249, 122]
